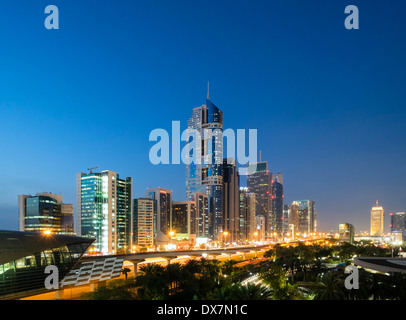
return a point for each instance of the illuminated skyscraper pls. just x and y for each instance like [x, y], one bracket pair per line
[184, 219]
[204, 169]
[104, 210]
[346, 232]
[163, 199]
[259, 182]
[398, 226]
[248, 227]
[144, 222]
[294, 217]
[202, 214]
[307, 217]
[377, 222]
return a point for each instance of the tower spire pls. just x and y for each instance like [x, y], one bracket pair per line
[208, 89]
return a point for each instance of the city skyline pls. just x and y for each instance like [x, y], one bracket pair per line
[329, 115]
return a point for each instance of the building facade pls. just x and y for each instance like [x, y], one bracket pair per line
[398, 227]
[145, 222]
[105, 210]
[259, 182]
[248, 224]
[307, 217]
[204, 161]
[202, 214]
[346, 232]
[45, 212]
[277, 203]
[184, 220]
[231, 200]
[377, 221]
[163, 199]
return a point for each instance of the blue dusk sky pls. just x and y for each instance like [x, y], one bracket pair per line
[328, 103]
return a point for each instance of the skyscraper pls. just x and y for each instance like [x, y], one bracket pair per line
[184, 219]
[204, 168]
[163, 198]
[346, 232]
[248, 225]
[45, 212]
[104, 210]
[202, 214]
[294, 218]
[377, 222]
[398, 226]
[277, 203]
[259, 182]
[231, 200]
[144, 222]
[307, 217]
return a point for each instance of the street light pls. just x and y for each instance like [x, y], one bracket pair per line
[225, 233]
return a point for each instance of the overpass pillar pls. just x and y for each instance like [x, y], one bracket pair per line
[59, 294]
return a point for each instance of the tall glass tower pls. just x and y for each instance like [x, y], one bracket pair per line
[205, 159]
[104, 210]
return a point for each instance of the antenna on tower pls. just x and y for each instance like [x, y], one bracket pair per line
[208, 90]
[259, 155]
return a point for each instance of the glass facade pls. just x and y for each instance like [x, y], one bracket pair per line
[204, 173]
[105, 214]
[26, 274]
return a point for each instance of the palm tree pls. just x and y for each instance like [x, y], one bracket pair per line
[151, 283]
[125, 272]
[332, 288]
[251, 292]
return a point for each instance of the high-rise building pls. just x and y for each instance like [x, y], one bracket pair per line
[45, 212]
[104, 210]
[205, 161]
[164, 212]
[184, 219]
[231, 200]
[377, 222]
[398, 226]
[294, 218]
[307, 217]
[248, 231]
[346, 232]
[202, 214]
[259, 182]
[260, 233]
[277, 203]
[144, 222]
[285, 218]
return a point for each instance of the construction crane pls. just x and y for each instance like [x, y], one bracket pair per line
[90, 169]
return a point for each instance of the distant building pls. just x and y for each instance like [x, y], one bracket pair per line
[294, 218]
[163, 198]
[285, 218]
[144, 222]
[202, 214]
[346, 232]
[104, 210]
[260, 228]
[45, 212]
[277, 203]
[377, 221]
[184, 220]
[259, 182]
[247, 225]
[307, 217]
[398, 227]
[231, 200]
